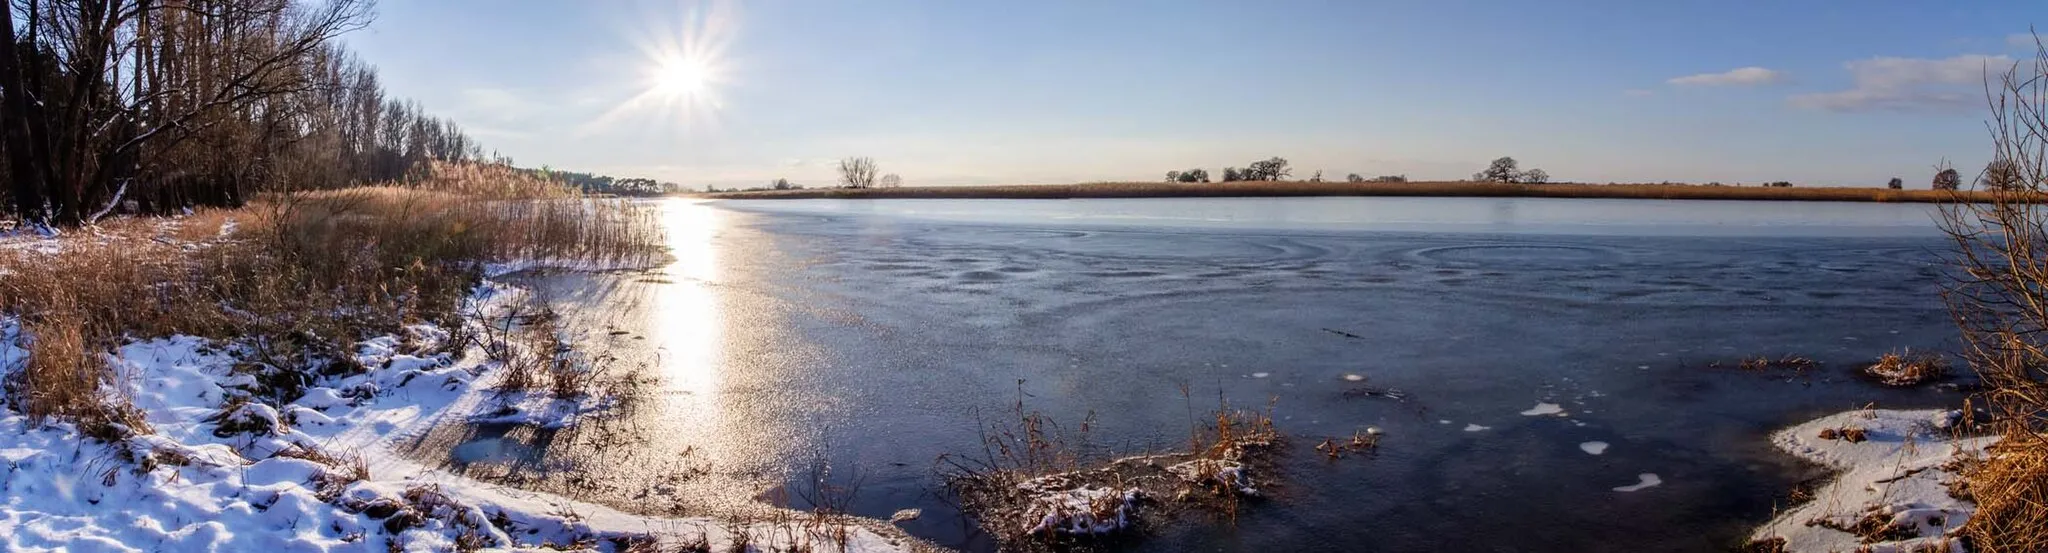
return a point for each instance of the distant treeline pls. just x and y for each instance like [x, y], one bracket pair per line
[1439, 189]
[163, 105]
[602, 184]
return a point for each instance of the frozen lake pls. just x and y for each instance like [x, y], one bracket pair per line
[1552, 350]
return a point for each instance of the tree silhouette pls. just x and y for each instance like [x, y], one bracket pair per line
[857, 172]
[1946, 177]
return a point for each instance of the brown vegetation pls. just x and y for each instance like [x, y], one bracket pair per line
[1446, 189]
[1033, 489]
[1908, 368]
[1851, 434]
[117, 105]
[1999, 296]
[297, 279]
[2011, 491]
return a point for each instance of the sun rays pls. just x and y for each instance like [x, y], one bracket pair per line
[683, 66]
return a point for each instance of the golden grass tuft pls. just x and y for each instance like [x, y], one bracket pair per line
[1908, 368]
[1436, 189]
[2011, 491]
[296, 278]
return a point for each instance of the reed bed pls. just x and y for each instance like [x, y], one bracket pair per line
[294, 279]
[1443, 189]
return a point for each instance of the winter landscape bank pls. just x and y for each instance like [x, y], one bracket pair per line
[251, 300]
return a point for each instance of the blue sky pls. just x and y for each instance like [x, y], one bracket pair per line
[973, 92]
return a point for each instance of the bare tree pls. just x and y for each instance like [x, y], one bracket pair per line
[1273, 168]
[1946, 177]
[857, 172]
[1506, 169]
[1999, 297]
[1501, 170]
[2002, 174]
[890, 181]
[1895, 184]
[194, 102]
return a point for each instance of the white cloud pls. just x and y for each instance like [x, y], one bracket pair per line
[1910, 85]
[1746, 76]
[1638, 93]
[2020, 40]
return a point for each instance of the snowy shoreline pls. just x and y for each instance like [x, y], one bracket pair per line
[295, 483]
[1892, 489]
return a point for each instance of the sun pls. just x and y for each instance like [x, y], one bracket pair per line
[681, 77]
[682, 72]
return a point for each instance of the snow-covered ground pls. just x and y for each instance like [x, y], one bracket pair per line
[1894, 482]
[190, 485]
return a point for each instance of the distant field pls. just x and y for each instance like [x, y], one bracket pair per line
[1288, 188]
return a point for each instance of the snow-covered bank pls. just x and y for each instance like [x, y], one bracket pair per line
[1893, 492]
[319, 473]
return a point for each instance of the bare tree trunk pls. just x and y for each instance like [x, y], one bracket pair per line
[16, 110]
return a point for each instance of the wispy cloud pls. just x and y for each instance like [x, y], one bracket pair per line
[1910, 85]
[1746, 76]
[2020, 40]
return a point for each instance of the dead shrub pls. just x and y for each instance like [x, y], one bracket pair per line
[1033, 488]
[2011, 491]
[1996, 290]
[64, 379]
[1908, 368]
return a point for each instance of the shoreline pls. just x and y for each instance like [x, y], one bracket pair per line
[1891, 489]
[1369, 189]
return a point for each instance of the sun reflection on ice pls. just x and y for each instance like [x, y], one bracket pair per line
[686, 318]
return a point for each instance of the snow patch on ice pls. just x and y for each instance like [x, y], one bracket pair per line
[1544, 409]
[1593, 448]
[1644, 481]
[208, 489]
[1057, 507]
[1476, 428]
[1899, 474]
[1222, 471]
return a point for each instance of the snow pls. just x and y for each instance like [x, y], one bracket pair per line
[1898, 475]
[1644, 481]
[1057, 506]
[1223, 471]
[1593, 448]
[192, 485]
[1469, 427]
[1544, 409]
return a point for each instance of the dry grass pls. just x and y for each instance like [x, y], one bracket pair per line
[2011, 491]
[294, 279]
[1298, 188]
[1908, 368]
[1031, 471]
[1851, 434]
